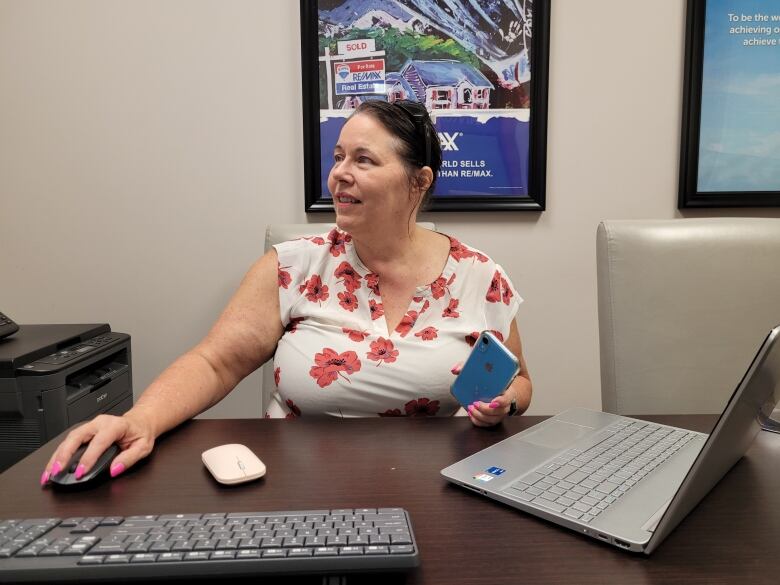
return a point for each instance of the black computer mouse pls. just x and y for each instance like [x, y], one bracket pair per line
[67, 477]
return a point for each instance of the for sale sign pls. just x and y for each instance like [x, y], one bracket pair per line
[360, 77]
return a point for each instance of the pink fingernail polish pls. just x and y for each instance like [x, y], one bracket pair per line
[80, 471]
[44, 477]
[494, 404]
[117, 469]
[56, 468]
[470, 408]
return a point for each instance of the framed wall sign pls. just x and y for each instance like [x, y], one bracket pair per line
[730, 148]
[478, 66]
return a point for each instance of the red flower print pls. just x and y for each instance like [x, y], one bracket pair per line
[372, 282]
[406, 324]
[391, 412]
[315, 290]
[377, 310]
[425, 306]
[354, 334]
[417, 299]
[330, 365]
[421, 407]
[348, 301]
[316, 240]
[494, 290]
[438, 287]
[346, 274]
[292, 326]
[451, 310]
[506, 292]
[277, 376]
[284, 276]
[295, 412]
[338, 242]
[460, 252]
[382, 350]
[428, 333]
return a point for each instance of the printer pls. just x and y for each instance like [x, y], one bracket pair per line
[54, 376]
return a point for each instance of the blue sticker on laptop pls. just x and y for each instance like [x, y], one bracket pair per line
[495, 470]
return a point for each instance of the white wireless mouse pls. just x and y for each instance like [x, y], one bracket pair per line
[233, 463]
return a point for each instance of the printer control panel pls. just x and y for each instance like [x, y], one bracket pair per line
[60, 358]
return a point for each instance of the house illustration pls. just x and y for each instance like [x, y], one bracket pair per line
[397, 88]
[446, 84]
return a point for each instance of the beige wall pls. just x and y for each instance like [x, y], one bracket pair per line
[145, 144]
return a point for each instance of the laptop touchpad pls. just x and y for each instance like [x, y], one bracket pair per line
[555, 434]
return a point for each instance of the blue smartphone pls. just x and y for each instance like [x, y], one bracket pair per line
[488, 371]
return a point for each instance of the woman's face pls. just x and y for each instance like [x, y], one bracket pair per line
[369, 182]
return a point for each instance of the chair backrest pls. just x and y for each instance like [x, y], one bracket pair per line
[683, 306]
[275, 234]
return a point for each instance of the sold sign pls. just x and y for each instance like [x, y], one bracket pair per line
[356, 48]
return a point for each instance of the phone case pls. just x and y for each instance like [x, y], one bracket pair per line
[488, 371]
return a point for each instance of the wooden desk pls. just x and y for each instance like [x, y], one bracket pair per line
[733, 536]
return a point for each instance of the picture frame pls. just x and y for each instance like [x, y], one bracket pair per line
[484, 85]
[731, 108]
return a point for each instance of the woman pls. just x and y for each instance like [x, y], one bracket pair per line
[365, 320]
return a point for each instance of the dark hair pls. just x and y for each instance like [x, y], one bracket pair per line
[410, 123]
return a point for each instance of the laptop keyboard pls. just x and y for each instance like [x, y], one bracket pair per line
[582, 483]
[192, 545]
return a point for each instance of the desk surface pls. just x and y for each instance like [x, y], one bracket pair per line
[733, 536]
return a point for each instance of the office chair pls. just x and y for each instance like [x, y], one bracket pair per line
[683, 306]
[274, 234]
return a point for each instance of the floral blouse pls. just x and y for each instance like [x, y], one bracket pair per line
[336, 356]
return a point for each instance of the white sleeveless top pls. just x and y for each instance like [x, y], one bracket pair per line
[336, 356]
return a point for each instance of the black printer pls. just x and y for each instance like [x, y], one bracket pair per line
[54, 376]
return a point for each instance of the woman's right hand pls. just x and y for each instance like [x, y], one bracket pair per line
[131, 432]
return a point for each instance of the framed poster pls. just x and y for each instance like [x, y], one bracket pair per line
[730, 148]
[478, 66]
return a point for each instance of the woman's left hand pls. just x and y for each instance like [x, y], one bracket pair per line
[487, 414]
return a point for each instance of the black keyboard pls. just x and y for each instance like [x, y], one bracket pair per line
[206, 545]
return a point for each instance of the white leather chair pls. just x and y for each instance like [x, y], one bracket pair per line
[683, 306]
[275, 234]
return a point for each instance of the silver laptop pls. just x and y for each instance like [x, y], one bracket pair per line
[621, 480]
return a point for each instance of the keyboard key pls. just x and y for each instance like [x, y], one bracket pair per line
[351, 550]
[401, 538]
[525, 496]
[606, 487]
[326, 551]
[550, 505]
[220, 555]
